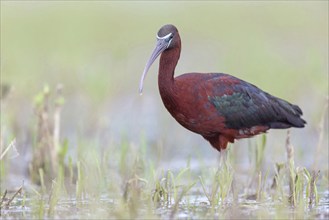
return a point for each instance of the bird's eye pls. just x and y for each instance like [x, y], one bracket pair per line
[170, 37]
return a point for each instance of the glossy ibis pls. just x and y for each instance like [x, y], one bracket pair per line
[218, 106]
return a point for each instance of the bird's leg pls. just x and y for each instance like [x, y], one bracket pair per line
[224, 175]
[223, 158]
[222, 168]
[224, 162]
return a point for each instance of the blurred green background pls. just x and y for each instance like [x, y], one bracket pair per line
[97, 51]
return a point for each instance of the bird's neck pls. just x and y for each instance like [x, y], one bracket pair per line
[168, 62]
[166, 80]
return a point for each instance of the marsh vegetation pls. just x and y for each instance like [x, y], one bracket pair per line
[78, 141]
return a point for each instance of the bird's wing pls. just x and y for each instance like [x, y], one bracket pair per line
[243, 105]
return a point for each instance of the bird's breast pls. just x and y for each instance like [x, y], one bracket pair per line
[189, 105]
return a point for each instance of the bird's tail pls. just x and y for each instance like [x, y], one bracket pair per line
[291, 115]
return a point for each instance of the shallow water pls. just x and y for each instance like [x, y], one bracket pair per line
[190, 207]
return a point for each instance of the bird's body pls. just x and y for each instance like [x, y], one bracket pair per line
[217, 106]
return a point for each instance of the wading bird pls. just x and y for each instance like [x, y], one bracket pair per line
[218, 106]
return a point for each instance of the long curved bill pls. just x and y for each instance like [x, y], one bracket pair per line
[159, 48]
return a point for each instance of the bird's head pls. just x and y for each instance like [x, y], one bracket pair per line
[167, 38]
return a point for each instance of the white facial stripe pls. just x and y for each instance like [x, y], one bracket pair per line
[159, 38]
[169, 43]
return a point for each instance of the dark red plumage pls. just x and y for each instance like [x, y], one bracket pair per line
[217, 106]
